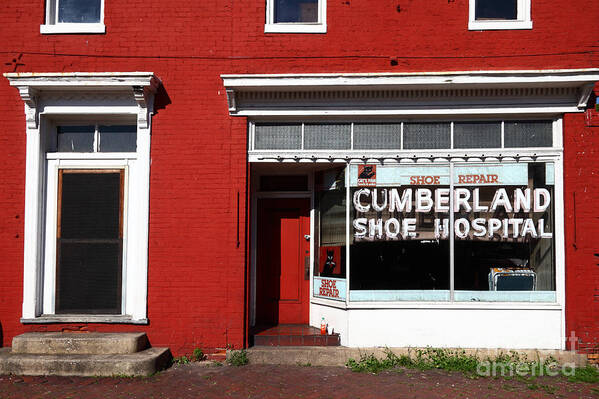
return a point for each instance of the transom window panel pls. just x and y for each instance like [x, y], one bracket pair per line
[296, 11]
[96, 138]
[494, 9]
[477, 135]
[327, 136]
[377, 136]
[79, 11]
[278, 136]
[89, 241]
[360, 136]
[119, 138]
[528, 134]
[427, 135]
[75, 138]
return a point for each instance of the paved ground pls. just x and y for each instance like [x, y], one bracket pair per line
[258, 381]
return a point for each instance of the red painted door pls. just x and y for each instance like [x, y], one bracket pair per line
[282, 264]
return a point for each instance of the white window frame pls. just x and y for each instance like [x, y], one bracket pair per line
[296, 27]
[52, 26]
[523, 20]
[91, 98]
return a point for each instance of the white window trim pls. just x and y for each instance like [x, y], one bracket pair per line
[523, 20]
[296, 27]
[39, 93]
[52, 26]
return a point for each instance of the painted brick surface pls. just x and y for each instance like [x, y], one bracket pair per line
[197, 286]
[581, 195]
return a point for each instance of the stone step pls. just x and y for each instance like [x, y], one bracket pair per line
[137, 364]
[57, 343]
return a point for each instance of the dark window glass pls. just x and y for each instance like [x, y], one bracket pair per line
[75, 138]
[296, 11]
[477, 135]
[278, 136]
[284, 183]
[118, 138]
[79, 11]
[426, 135]
[496, 9]
[327, 136]
[89, 243]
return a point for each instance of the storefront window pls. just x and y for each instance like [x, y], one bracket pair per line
[501, 216]
[504, 247]
[330, 235]
[397, 250]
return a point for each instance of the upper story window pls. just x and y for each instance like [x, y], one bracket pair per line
[505, 14]
[74, 16]
[295, 16]
[96, 138]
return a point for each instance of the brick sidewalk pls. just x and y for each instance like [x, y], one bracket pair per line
[258, 381]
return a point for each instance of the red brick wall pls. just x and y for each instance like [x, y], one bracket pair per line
[196, 271]
[581, 194]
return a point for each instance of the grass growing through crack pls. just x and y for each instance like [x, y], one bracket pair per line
[425, 359]
[510, 365]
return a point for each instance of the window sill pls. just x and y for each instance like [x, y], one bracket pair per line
[112, 319]
[499, 25]
[72, 28]
[295, 28]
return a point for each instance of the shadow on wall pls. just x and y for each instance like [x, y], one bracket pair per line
[161, 99]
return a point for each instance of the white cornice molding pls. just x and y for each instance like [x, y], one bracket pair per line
[333, 94]
[80, 80]
[32, 86]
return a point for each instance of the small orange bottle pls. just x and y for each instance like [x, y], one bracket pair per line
[323, 327]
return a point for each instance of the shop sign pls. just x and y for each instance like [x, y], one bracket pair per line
[424, 200]
[333, 288]
[366, 175]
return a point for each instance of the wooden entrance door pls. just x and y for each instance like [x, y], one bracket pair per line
[283, 257]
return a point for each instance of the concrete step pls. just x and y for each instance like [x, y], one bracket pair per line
[57, 343]
[142, 363]
[339, 355]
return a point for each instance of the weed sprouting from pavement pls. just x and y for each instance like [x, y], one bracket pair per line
[238, 358]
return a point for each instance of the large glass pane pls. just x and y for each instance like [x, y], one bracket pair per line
[327, 136]
[79, 11]
[399, 243]
[330, 235]
[377, 136]
[496, 9]
[75, 138]
[477, 135]
[120, 138]
[296, 11]
[528, 134]
[426, 135]
[278, 136]
[504, 244]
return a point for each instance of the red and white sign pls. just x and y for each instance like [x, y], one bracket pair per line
[366, 175]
